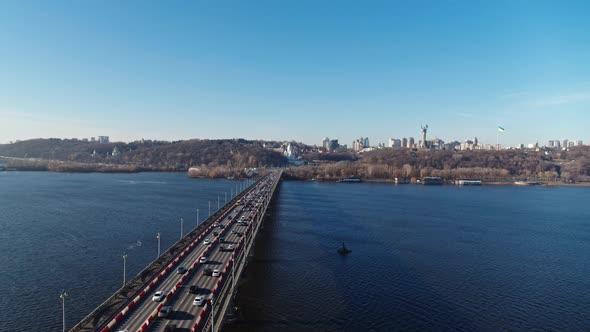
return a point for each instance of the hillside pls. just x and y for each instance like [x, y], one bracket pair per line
[564, 166]
[230, 155]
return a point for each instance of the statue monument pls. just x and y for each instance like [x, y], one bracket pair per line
[423, 140]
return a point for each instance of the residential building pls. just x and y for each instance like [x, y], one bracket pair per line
[326, 144]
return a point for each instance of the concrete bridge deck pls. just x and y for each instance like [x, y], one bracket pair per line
[132, 308]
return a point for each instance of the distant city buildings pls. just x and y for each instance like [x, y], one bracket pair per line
[330, 145]
[103, 139]
[360, 144]
[395, 143]
[564, 144]
[326, 144]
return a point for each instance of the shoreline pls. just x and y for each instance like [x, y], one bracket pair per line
[107, 170]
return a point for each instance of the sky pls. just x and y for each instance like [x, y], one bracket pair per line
[295, 70]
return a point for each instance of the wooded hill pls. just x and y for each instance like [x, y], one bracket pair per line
[156, 155]
[506, 165]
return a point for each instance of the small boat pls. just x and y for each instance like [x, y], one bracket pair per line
[350, 180]
[343, 250]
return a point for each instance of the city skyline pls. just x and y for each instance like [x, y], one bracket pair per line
[296, 71]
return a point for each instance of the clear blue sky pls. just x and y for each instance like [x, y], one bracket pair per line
[295, 70]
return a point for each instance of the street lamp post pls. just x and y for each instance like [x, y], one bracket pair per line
[225, 201]
[124, 269]
[217, 201]
[62, 296]
[197, 217]
[158, 237]
[209, 208]
[181, 228]
[212, 314]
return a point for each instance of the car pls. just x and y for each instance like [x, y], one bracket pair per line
[215, 273]
[199, 301]
[230, 247]
[203, 260]
[222, 239]
[234, 232]
[159, 296]
[181, 270]
[194, 289]
[170, 328]
[165, 311]
[216, 224]
[239, 234]
[207, 241]
[215, 233]
[207, 272]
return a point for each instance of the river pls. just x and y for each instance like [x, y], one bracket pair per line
[424, 257]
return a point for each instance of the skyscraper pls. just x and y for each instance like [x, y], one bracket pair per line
[326, 144]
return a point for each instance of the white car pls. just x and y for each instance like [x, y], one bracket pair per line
[230, 247]
[216, 224]
[207, 241]
[159, 296]
[203, 260]
[199, 300]
[216, 273]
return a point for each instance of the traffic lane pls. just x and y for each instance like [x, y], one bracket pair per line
[140, 313]
[182, 301]
[184, 310]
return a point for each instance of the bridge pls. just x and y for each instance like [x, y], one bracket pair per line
[197, 277]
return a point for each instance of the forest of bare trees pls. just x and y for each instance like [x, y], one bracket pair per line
[231, 157]
[507, 165]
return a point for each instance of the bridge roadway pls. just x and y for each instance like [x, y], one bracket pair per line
[236, 226]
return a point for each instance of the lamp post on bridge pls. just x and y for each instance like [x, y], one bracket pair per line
[197, 217]
[158, 237]
[209, 208]
[181, 228]
[62, 296]
[225, 202]
[212, 313]
[217, 201]
[124, 269]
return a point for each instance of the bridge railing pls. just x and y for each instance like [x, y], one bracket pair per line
[203, 322]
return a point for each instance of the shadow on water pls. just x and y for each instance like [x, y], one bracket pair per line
[268, 301]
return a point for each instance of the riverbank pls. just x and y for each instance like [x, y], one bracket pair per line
[491, 183]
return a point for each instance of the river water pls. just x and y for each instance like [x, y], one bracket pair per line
[424, 257]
